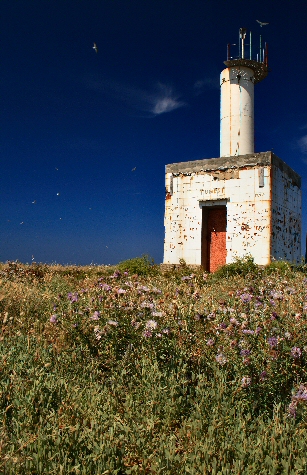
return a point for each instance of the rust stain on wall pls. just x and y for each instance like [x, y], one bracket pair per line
[263, 199]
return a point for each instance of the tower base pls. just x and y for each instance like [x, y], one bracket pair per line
[220, 209]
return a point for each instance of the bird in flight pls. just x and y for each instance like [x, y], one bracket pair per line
[95, 48]
[261, 23]
[133, 169]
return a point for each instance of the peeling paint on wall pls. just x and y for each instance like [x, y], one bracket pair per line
[263, 199]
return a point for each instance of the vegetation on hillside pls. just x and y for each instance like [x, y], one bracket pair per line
[122, 370]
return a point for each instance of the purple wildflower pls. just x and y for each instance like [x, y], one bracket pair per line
[156, 291]
[234, 321]
[147, 334]
[106, 287]
[221, 359]
[148, 305]
[292, 408]
[98, 333]
[166, 331]
[211, 316]
[246, 381]
[258, 330]
[73, 297]
[246, 298]
[135, 324]
[95, 316]
[54, 319]
[272, 341]
[263, 376]
[157, 314]
[112, 322]
[151, 325]
[143, 288]
[276, 295]
[301, 395]
[248, 332]
[258, 302]
[296, 352]
[210, 342]
[121, 291]
[245, 352]
[223, 325]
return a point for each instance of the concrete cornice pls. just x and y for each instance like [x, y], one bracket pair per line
[236, 162]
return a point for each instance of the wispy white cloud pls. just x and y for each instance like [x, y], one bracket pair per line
[165, 100]
[166, 104]
[160, 100]
[302, 143]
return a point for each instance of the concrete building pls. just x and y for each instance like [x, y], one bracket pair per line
[242, 203]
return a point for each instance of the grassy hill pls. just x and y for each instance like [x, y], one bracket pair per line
[123, 370]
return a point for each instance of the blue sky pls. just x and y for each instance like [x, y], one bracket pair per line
[85, 137]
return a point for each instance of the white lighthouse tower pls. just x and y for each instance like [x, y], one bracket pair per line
[241, 203]
[237, 82]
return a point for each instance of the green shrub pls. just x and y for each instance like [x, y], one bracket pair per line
[138, 265]
[279, 267]
[243, 266]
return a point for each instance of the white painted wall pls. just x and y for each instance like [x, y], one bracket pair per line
[237, 111]
[248, 215]
[286, 218]
[263, 208]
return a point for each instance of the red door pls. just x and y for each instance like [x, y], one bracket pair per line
[216, 238]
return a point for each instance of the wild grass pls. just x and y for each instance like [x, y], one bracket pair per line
[122, 370]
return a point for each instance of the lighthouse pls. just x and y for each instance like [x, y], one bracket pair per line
[243, 203]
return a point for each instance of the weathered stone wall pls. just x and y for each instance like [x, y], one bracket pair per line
[244, 185]
[286, 214]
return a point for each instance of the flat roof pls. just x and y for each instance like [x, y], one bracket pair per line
[234, 162]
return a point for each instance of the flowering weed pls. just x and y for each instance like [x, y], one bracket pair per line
[108, 371]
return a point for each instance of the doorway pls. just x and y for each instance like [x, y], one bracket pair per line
[213, 242]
